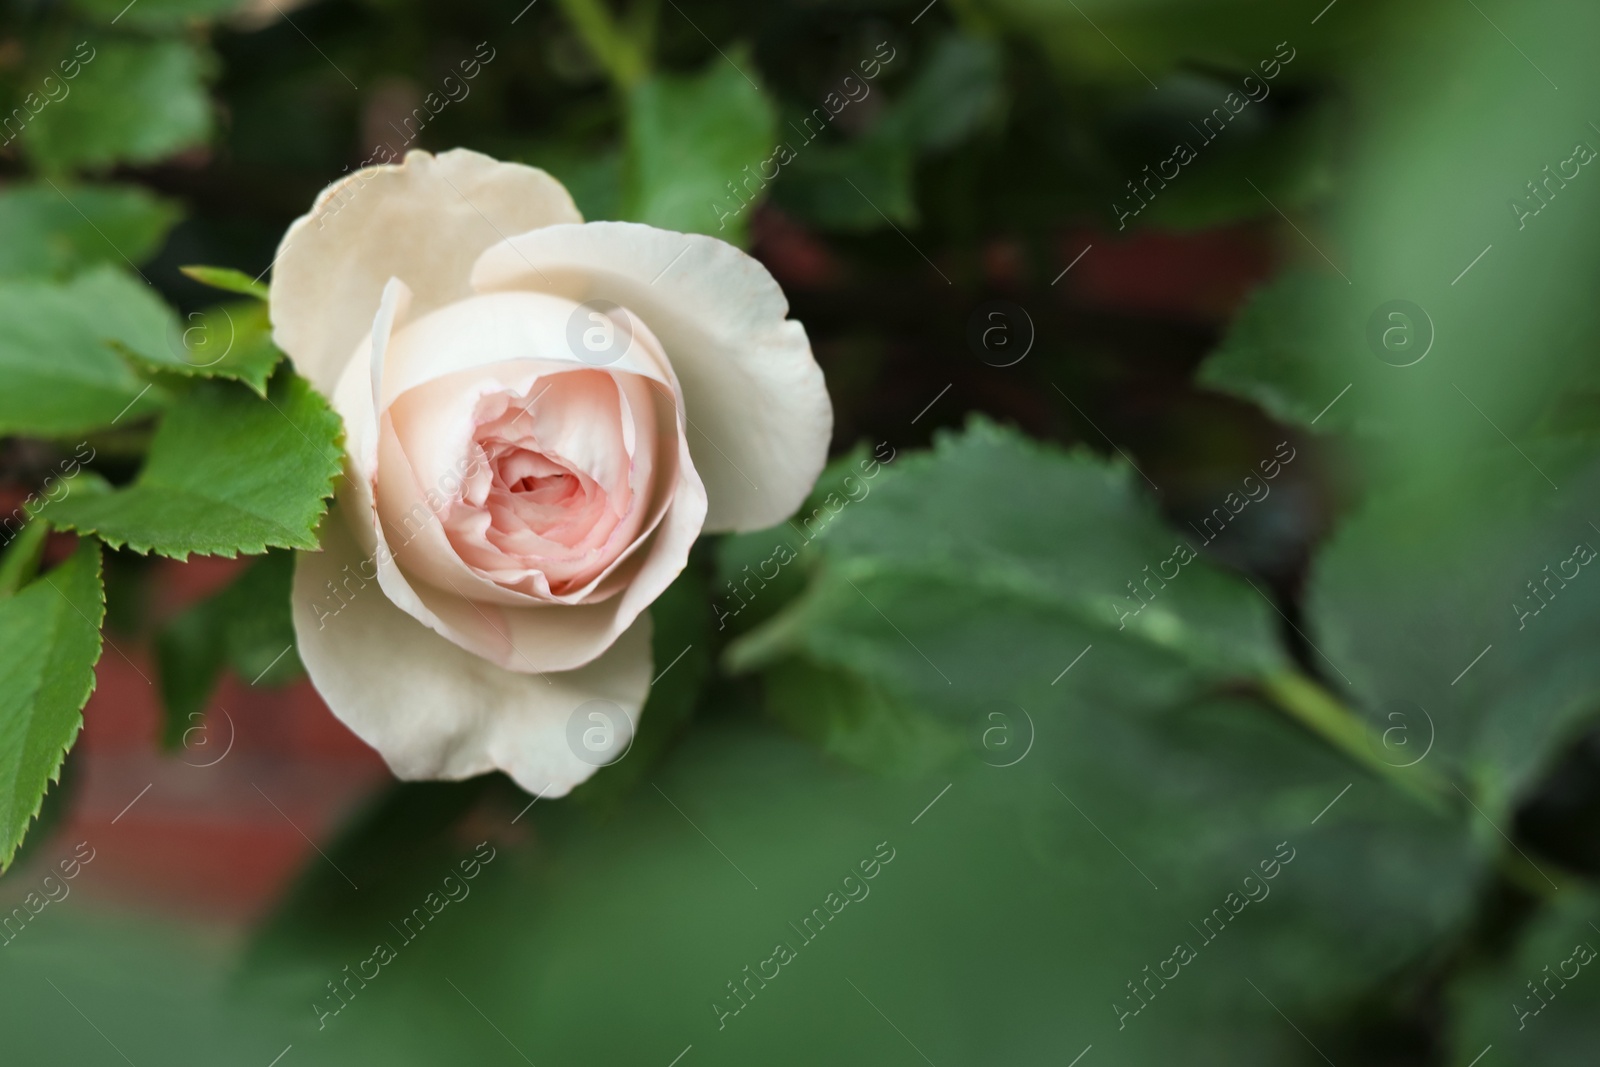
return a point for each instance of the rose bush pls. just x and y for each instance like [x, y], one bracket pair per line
[541, 416]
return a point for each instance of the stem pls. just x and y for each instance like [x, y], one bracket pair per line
[21, 560]
[620, 54]
[1321, 712]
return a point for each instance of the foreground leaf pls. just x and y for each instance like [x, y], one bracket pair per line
[49, 642]
[1003, 863]
[228, 472]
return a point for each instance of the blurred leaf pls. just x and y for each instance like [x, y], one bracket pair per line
[53, 234]
[857, 721]
[232, 341]
[246, 626]
[744, 593]
[228, 280]
[593, 177]
[1205, 806]
[1270, 155]
[852, 186]
[1441, 325]
[1135, 44]
[1462, 619]
[1541, 1004]
[957, 91]
[159, 14]
[132, 102]
[61, 375]
[227, 473]
[1274, 357]
[690, 140]
[49, 642]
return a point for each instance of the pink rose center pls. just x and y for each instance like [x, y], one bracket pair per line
[556, 481]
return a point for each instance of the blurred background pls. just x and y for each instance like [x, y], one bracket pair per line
[1207, 670]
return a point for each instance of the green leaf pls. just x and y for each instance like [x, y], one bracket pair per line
[1269, 154]
[232, 341]
[133, 101]
[1464, 608]
[246, 626]
[688, 138]
[958, 90]
[1293, 350]
[946, 578]
[1005, 862]
[49, 642]
[1431, 604]
[24, 549]
[228, 472]
[61, 375]
[1540, 1004]
[53, 233]
[846, 186]
[228, 280]
[858, 721]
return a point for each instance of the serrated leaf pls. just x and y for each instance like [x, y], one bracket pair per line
[228, 280]
[61, 373]
[688, 138]
[974, 552]
[232, 341]
[49, 642]
[56, 232]
[133, 101]
[227, 473]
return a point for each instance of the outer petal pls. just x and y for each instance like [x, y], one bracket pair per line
[757, 407]
[424, 222]
[434, 710]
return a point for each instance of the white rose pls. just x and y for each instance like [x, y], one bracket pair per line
[541, 416]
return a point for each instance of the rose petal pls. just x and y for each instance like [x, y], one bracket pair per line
[424, 221]
[505, 627]
[433, 710]
[757, 406]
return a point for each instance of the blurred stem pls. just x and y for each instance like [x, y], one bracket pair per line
[1322, 713]
[624, 55]
[21, 560]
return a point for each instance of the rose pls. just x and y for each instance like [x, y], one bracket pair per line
[541, 415]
